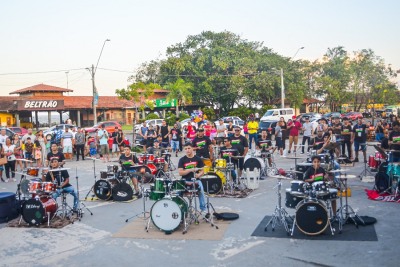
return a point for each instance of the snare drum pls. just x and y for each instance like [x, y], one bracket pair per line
[320, 188]
[378, 156]
[159, 161]
[332, 195]
[297, 188]
[33, 172]
[220, 163]
[207, 162]
[34, 187]
[106, 175]
[49, 187]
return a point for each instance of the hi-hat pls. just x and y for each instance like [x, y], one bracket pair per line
[295, 157]
[338, 171]
[229, 150]
[349, 176]
[238, 157]
[342, 158]
[280, 177]
[58, 169]
[373, 143]
[26, 160]
[92, 158]
[293, 171]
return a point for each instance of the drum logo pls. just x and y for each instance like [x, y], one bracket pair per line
[32, 206]
[175, 215]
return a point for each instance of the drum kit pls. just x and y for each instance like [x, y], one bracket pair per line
[314, 204]
[260, 161]
[35, 197]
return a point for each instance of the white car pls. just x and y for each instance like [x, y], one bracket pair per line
[153, 122]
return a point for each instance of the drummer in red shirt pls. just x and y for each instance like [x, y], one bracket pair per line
[294, 131]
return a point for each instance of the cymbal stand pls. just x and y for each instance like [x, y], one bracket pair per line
[145, 195]
[66, 210]
[210, 219]
[280, 214]
[192, 208]
[79, 208]
[95, 180]
[366, 171]
[229, 179]
[348, 210]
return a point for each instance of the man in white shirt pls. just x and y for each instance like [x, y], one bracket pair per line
[221, 128]
[67, 141]
[307, 134]
[102, 136]
[3, 136]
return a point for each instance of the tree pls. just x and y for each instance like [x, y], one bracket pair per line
[179, 90]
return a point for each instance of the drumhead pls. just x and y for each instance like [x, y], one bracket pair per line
[122, 192]
[34, 211]
[212, 183]
[311, 217]
[254, 163]
[166, 215]
[102, 189]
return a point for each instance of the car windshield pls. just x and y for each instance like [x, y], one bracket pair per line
[264, 124]
[269, 113]
[96, 126]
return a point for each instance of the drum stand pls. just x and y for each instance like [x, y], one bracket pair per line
[348, 210]
[280, 214]
[79, 208]
[210, 219]
[66, 211]
[365, 172]
[95, 180]
[193, 214]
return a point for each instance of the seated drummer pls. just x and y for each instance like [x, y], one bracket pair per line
[394, 140]
[186, 169]
[158, 152]
[265, 145]
[61, 179]
[316, 173]
[127, 160]
[227, 152]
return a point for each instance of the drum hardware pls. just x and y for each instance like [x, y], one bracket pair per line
[192, 214]
[95, 179]
[66, 211]
[80, 203]
[58, 169]
[393, 170]
[25, 160]
[210, 218]
[381, 151]
[347, 209]
[145, 194]
[366, 171]
[280, 215]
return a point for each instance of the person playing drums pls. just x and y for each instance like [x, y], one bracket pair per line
[202, 145]
[158, 152]
[61, 179]
[188, 168]
[315, 174]
[127, 160]
[265, 146]
[240, 143]
[227, 152]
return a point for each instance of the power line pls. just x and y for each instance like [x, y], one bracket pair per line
[38, 72]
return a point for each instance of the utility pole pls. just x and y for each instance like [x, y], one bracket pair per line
[95, 97]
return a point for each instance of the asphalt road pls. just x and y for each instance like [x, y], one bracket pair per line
[90, 242]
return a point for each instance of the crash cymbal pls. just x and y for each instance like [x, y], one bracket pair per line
[337, 171]
[25, 160]
[59, 169]
[349, 176]
[280, 177]
[295, 157]
[293, 171]
[341, 158]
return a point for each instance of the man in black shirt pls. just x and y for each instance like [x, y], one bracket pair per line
[175, 135]
[346, 137]
[359, 138]
[265, 146]
[227, 152]
[187, 168]
[61, 179]
[54, 153]
[128, 160]
[151, 135]
[394, 140]
[164, 132]
[240, 143]
[202, 145]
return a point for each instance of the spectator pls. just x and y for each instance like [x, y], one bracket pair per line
[102, 136]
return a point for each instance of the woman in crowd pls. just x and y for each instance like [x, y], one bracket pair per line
[10, 165]
[18, 151]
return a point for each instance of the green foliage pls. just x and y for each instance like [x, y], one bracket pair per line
[139, 93]
[242, 112]
[170, 118]
[152, 116]
[179, 90]
[183, 116]
[210, 113]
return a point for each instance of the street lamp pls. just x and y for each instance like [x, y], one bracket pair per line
[283, 84]
[95, 94]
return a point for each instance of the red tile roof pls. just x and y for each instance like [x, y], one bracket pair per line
[41, 88]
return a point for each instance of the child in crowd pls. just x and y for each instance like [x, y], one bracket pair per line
[29, 149]
[92, 146]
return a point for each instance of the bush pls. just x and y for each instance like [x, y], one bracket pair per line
[152, 116]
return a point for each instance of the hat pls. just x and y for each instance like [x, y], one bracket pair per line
[155, 141]
[294, 117]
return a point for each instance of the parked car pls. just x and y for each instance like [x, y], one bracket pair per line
[153, 122]
[353, 115]
[19, 130]
[332, 115]
[265, 125]
[311, 115]
[54, 133]
[109, 126]
[236, 121]
[10, 133]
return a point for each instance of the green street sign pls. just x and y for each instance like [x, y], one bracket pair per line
[163, 103]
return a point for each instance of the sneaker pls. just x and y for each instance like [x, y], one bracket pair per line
[355, 160]
[301, 152]
[7, 180]
[14, 179]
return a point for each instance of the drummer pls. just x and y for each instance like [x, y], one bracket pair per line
[265, 146]
[226, 152]
[159, 152]
[61, 179]
[202, 145]
[240, 143]
[127, 160]
[188, 168]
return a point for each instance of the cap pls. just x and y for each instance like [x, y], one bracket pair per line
[294, 117]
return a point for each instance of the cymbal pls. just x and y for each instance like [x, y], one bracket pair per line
[25, 174]
[373, 143]
[392, 150]
[59, 169]
[295, 157]
[293, 171]
[229, 150]
[380, 150]
[336, 171]
[349, 176]
[341, 158]
[26, 160]
[92, 158]
[238, 157]
[280, 177]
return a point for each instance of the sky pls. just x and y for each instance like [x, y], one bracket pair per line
[63, 38]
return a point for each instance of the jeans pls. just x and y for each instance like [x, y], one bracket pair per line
[379, 136]
[70, 190]
[10, 165]
[80, 151]
[303, 142]
[251, 137]
[202, 198]
[175, 145]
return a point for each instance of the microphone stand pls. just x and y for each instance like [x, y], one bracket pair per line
[95, 180]
[80, 211]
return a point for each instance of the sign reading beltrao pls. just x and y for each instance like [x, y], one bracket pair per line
[163, 103]
[40, 104]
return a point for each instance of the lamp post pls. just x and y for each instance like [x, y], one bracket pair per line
[93, 73]
[282, 82]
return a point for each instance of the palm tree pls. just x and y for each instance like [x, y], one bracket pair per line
[179, 90]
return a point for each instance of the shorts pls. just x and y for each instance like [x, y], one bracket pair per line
[28, 155]
[278, 142]
[357, 146]
[67, 149]
[104, 149]
[115, 148]
[1, 168]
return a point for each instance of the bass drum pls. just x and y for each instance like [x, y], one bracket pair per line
[311, 217]
[103, 188]
[253, 163]
[213, 182]
[167, 213]
[122, 192]
[37, 210]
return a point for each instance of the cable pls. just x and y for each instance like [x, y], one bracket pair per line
[38, 72]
